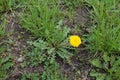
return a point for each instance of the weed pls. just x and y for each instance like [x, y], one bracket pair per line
[72, 4]
[52, 72]
[6, 5]
[2, 26]
[49, 49]
[5, 64]
[105, 36]
[9, 5]
[30, 76]
[105, 39]
[40, 18]
[107, 69]
[43, 21]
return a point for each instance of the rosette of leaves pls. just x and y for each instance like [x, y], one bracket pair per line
[55, 45]
[52, 72]
[107, 68]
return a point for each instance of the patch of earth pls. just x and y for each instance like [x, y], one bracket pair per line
[79, 68]
[17, 44]
[81, 19]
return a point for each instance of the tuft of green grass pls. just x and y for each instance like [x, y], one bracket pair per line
[105, 36]
[6, 5]
[2, 25]
[9, 5]
[72, 4]
[40, 18]
[5, 64]
[104, 39]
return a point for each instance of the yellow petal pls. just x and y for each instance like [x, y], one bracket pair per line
[75, 40]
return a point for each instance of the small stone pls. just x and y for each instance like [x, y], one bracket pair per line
[20, 59]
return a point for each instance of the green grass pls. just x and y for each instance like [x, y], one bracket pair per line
[72, 4]
[105, 36]
[36, 19]
[104, 39]
[2, 26]
[11, 5]
[5, 64]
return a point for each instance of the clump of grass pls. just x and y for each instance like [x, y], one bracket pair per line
[2, 26]
[105, 36]
[5, 64]
[72, 4]
[9, 5]
[6, 5]
[104, 39]
[40, 18]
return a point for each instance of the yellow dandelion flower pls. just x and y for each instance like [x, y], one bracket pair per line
[75, 40]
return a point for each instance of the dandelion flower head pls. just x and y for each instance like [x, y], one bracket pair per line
[75, 40]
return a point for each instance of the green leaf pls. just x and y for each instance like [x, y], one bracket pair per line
[7, 65]
[94, 74]
[96, 63]
[108, 77]
[6, 59]
[97, 75]
[106, 57]
[63, 53]
[112, 60]
[51, 50]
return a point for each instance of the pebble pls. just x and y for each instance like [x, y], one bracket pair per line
[20, 59]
